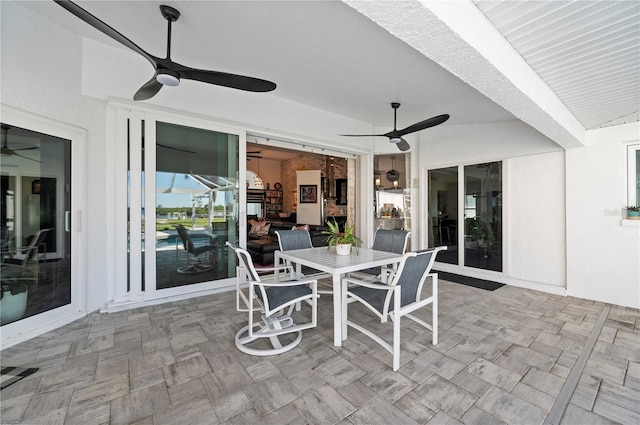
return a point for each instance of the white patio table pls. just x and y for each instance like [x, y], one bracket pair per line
[328, 261]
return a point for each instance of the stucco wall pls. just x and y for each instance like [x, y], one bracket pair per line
[603, 257]
[535, 218]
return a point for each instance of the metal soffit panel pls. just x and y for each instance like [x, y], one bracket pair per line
[588, 52]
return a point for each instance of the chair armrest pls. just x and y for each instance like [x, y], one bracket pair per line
[285, 270]
[287, 282]
[373, 285]
[270, 269]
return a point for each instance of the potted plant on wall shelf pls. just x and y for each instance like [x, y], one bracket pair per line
[343, 241]
[633, 212]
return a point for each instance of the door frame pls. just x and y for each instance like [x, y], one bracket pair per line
[124, 298]
[30, 327]
[461, 268]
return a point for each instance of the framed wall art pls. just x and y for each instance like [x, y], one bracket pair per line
[308, 193]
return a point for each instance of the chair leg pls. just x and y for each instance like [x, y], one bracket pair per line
[435, 310]
[251, 333]
[396, 328]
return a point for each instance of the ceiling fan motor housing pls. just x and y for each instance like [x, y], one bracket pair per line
[167, 77]
[169, 13]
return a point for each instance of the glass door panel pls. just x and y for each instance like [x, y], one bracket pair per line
[443, 212]
[35, 201]
[483, 216]
[196, 204]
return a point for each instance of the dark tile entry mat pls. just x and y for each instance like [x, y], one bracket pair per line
[470, 281]
[11, 375]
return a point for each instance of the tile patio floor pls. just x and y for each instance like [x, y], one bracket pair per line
[503, 357]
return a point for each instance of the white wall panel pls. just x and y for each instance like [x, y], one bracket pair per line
[603, 257]
[536, 218]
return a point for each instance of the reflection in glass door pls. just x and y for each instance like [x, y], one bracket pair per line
[196, 204]
[443, 212]
[35, 201]
[483, 216]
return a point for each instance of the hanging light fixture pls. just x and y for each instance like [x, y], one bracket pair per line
[257, 180]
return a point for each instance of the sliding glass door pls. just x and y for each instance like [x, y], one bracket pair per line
[443, 212]
[35, 187]
[196, 194]
[180, 206]
[477, 203]
[483, 216]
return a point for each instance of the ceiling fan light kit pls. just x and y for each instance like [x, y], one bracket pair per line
[168, 72]
[167, 78]
[395, 136]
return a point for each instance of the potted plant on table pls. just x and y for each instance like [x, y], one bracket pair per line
[342, 240]
[633, 212]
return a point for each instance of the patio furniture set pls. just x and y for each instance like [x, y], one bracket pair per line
[385, 279]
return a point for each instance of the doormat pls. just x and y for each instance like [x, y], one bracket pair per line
[11, 375]
[487, 285]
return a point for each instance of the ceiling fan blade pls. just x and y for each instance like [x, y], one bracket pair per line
[105, 29]
[27, 149]
[148, 90]
[25, 157]
[224, 79]
[403, 145]
[430, 122]
[362, 135]
[175, 149]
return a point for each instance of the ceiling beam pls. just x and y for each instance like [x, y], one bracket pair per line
[458, 37]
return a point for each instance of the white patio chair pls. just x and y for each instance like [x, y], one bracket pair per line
[398, 298]
[270, 297]
[395, 241]
[289, 240]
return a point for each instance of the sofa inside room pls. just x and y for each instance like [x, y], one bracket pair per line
[262, 240]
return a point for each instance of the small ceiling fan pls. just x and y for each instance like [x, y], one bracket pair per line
[253, 154]
[7, 151]
[168, 72]
[395, 136]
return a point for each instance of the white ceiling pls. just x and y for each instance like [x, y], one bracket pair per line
[588, 52]
[328, 55]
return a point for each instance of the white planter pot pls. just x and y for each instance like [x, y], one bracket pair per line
[343, 249]
[13, 307]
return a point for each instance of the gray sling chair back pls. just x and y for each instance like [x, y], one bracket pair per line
[398, 298]
[194, 253]
[390, 241]
[290, 240]
[269, 298]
